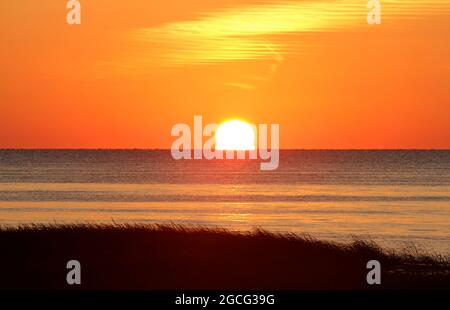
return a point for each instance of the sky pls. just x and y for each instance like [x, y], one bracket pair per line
[135, 68]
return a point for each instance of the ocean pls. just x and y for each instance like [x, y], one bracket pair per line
[396, 198]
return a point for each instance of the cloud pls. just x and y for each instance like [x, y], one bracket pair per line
[253, 32]
[240, 85]
[241, 33]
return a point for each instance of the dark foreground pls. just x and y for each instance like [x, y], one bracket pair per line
[175, 257]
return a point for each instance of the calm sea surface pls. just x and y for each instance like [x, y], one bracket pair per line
[394, 197]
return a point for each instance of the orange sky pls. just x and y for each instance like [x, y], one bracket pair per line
[134, 68]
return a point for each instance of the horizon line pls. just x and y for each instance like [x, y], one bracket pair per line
[168, 149]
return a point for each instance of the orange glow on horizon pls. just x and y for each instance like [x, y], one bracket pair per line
[132, 70]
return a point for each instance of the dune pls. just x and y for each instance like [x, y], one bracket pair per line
[172, 257]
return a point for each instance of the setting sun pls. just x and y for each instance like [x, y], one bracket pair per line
[235, 135]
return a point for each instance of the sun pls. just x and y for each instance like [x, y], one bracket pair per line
[235, 135]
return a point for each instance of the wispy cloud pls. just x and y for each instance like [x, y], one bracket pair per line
[262, 31]
[241, 33]
[240, 85]
[247, 33]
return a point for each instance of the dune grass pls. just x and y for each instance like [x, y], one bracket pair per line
[125, 256]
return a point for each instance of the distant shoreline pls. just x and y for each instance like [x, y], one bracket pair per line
[192, 257]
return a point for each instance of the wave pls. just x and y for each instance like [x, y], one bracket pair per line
[140, 197]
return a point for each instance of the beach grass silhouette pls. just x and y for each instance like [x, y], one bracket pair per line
[158, 257]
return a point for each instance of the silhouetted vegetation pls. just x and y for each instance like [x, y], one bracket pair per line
[179, 257]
